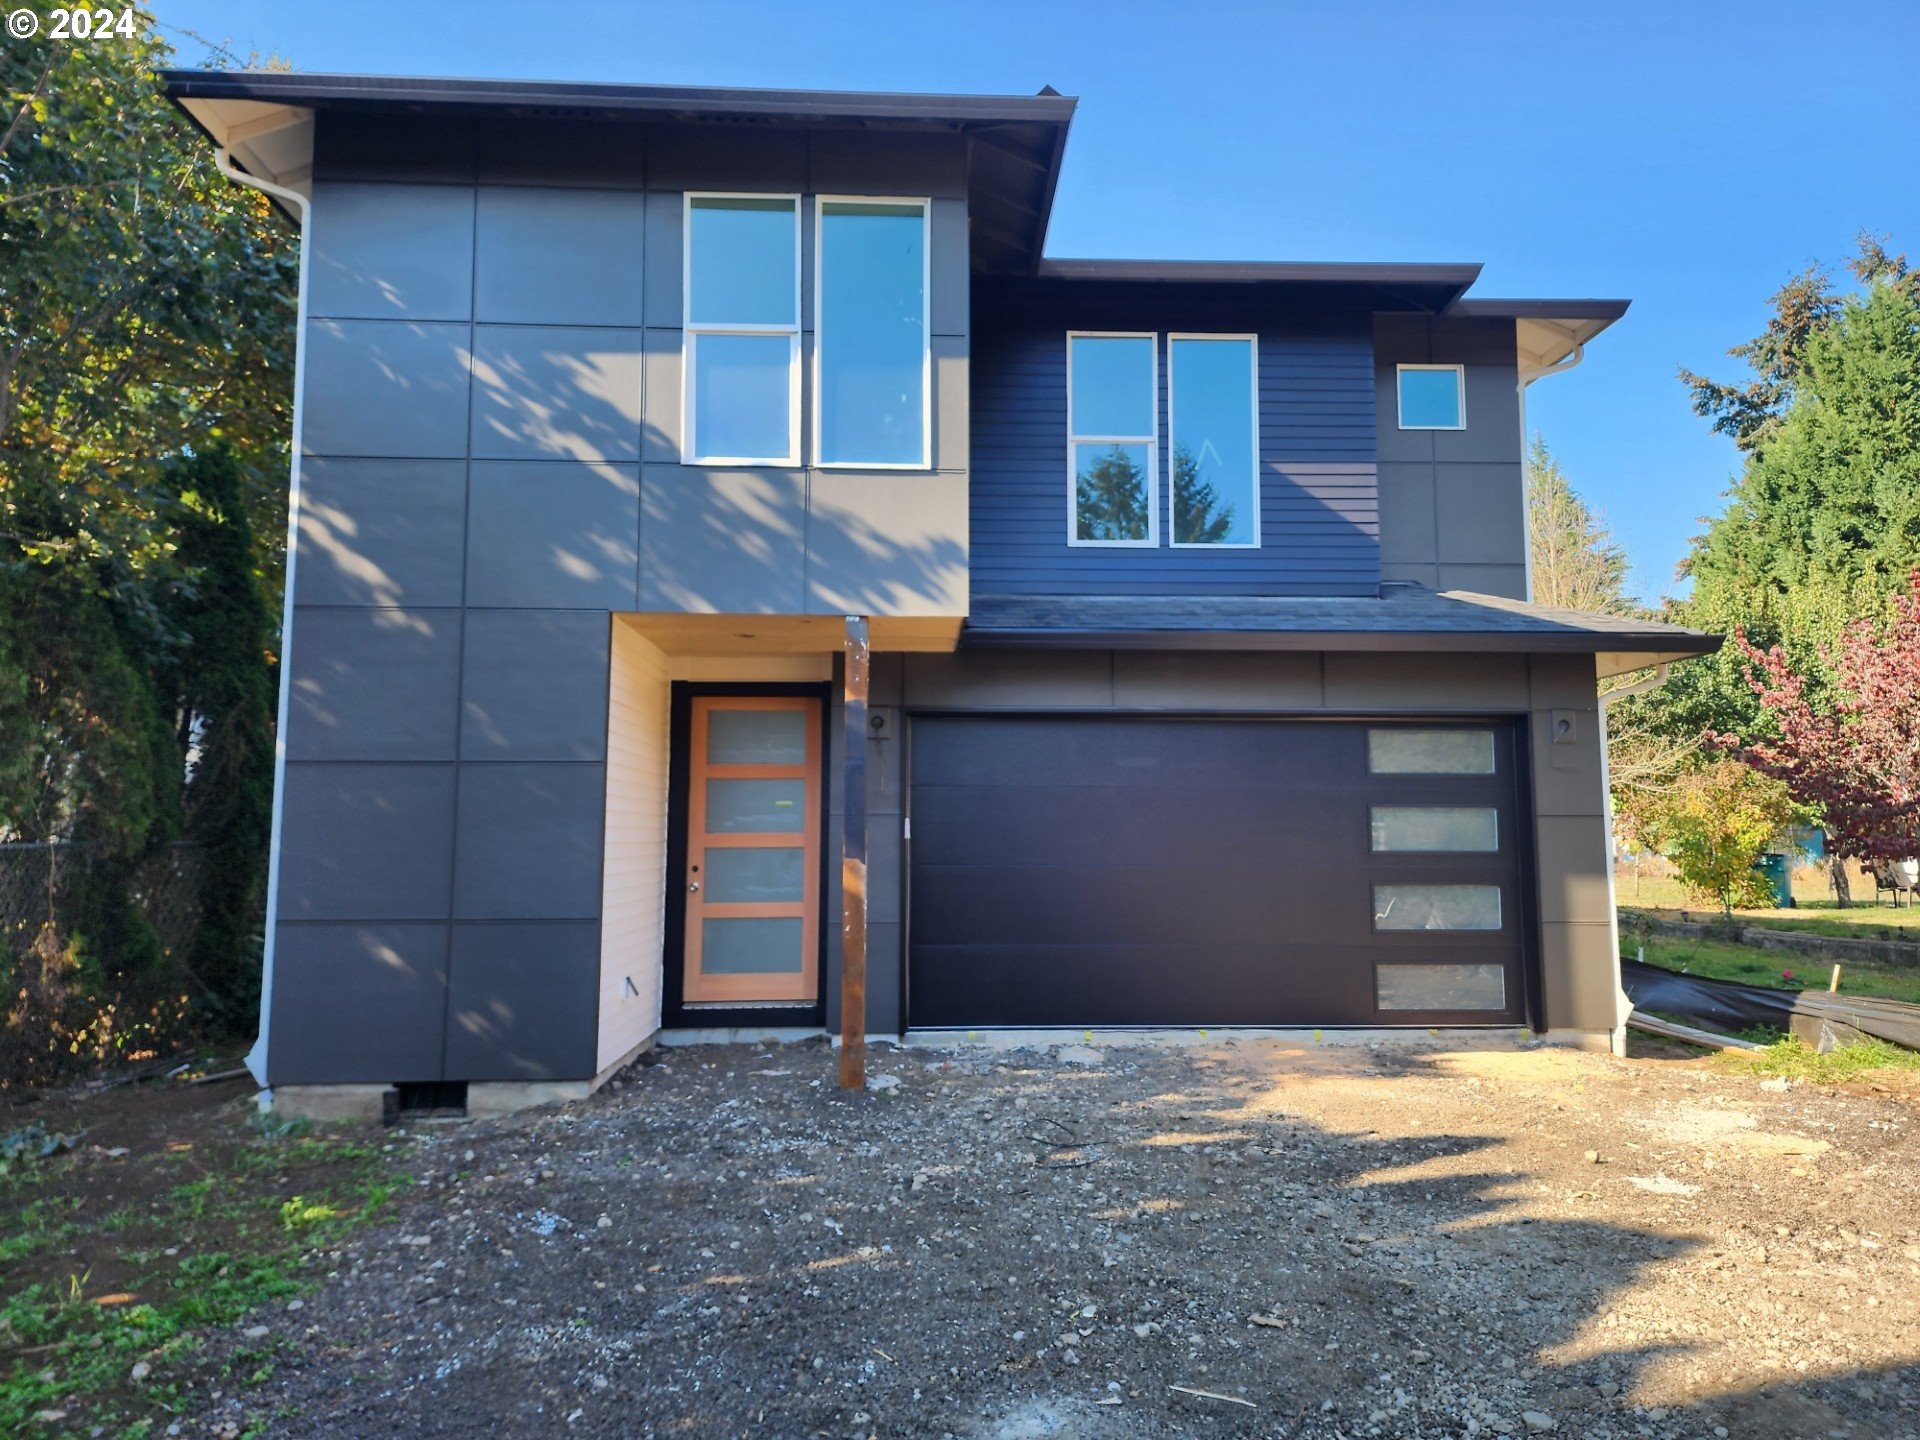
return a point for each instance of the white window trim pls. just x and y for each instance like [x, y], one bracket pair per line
[1253, 362]
[690, 334]
[1151, 440]
[820, 203]
[1459, 389]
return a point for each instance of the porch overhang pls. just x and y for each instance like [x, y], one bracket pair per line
[691, 633]
[1403, 618]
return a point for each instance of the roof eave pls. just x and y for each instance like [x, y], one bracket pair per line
[1661, 648]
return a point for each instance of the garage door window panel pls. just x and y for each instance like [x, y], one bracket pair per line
[1437, 907]
[1408, 751]
[1436, 829]
[1440, 987]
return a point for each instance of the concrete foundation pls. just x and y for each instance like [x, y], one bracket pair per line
[486, 1099]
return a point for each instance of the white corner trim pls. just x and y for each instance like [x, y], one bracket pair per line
[257, 1056]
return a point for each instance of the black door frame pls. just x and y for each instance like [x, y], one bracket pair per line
[1531, 1006]
[675, 1013]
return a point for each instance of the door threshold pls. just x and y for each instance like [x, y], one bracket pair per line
[1013, 1038]
[740, 1035]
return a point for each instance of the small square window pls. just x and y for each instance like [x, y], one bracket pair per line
[1432, 397]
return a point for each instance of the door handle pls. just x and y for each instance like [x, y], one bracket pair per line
[693, 885]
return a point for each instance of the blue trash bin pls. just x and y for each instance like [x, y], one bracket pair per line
[1774, 867]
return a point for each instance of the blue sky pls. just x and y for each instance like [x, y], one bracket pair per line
[1689, 157]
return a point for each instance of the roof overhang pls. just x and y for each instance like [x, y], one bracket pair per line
[1547, 331]
[1414, 286]
[266, 139]
[1402, 620]
[1017, 141]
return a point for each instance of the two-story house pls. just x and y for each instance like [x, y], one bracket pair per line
[1205, 689]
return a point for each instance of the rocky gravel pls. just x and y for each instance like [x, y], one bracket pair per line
[1230, 1239]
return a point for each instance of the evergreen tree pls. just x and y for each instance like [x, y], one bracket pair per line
[1577, 564]
[1200, 517]
[1111, 498]
[225, 705]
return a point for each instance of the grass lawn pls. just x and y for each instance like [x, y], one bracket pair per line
[1720, 961]
[1816, 911]
[1791, 1059]
[175, 1213]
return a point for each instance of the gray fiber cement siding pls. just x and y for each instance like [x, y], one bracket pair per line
[1319, 506]
[1453, 502]
[491, 467]
[1566, 793]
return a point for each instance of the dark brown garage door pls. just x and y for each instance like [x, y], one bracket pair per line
[1074, 871]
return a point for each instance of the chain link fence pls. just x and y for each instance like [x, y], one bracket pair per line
[37, 877]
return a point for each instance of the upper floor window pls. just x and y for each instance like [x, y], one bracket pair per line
[742, 361]
[1432, 397]
[1214, 420]
[1113, 399]
[871, 383]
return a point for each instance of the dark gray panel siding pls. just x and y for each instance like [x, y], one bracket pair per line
[1319, 511]
[529, 842]
[514, 1011]
[492, 429]
[1452, 502]
[391, 979]
[370, 684]
[381, 532]
[366, 842]
[534, 686]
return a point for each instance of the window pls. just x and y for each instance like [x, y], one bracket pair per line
[1436, 907]
[1113, 397]
[1436, 829]
[1440, 987]
[741, 364]
[1213, 417]
[1430, 752]
[1431, 397]
[871, 356]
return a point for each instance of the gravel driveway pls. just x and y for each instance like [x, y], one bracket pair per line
[1231, 1239]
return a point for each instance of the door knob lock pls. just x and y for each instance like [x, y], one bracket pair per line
[693, 885]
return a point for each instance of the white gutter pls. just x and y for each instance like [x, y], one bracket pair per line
[1622, 1006]
[257, 1056]
[1639, 687]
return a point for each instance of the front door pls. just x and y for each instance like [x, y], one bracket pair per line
[753, 850]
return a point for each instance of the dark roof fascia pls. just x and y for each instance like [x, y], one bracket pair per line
[1425, 288]
[1041, 121]
[1608, 310]
[1216, 272]
[687, 101]
[1510, 642]
[1400, 619]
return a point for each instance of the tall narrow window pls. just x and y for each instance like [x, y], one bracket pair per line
[742, 360]
[871, 386]
[1214, 422]
[1112, 401]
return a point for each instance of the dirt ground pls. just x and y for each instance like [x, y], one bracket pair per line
[1232, 1239]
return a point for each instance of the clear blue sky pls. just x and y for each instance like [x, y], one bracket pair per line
[1686, 156]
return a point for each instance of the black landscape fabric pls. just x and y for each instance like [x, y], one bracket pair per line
[1820, 1018]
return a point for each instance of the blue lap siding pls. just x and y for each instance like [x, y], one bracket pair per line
[1319, 490]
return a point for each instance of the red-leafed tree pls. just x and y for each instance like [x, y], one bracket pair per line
[1857, 755]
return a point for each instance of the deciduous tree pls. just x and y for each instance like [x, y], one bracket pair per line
[1714, 824]
[1855, 755]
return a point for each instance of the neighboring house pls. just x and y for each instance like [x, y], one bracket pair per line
[1205, 687]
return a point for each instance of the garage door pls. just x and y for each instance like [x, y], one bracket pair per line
[1074, 871]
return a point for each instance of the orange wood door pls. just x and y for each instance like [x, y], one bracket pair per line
[753, 850]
